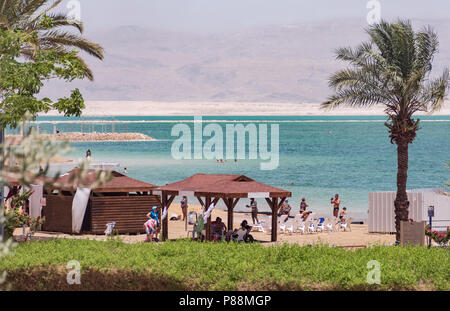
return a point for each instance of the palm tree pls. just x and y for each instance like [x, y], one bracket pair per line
[393, 69]
[37, 16]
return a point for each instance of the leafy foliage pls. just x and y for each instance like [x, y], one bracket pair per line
[16, 218]
[21, 81]
[37, 17]
[33, 156]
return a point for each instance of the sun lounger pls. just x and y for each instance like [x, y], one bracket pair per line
[287, 226]
[322, 224]
[262, 226]
[297, 221]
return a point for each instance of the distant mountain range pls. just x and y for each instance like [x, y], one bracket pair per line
[281, 63]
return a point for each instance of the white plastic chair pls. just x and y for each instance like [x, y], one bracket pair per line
[331, 225]
[313, 226]
[346, 224]
[262, 226]
[301, 227]
[287, 226]
[296, 221]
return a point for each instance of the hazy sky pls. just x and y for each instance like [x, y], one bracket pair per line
[235, 15]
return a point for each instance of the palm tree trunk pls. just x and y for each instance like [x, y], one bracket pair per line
[401, 202]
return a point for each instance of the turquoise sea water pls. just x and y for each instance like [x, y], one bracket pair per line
[319, 156]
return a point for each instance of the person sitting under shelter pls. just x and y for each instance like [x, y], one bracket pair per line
[243, 233]
[218, 228]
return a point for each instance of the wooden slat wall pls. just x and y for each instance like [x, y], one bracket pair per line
[58, 213]
[129, 213]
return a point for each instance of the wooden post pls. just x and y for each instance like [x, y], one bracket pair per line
[229, 203]
[166, 201]
[208, 223]
[274, 219]
[165, 223]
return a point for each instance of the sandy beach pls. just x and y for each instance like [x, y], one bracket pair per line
[151, 108]
[357, 237]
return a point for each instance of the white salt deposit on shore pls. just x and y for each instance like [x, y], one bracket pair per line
[151, 108]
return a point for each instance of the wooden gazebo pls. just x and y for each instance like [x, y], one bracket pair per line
[122, 199]
[210, 188]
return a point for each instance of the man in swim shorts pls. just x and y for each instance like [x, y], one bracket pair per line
[335, 201]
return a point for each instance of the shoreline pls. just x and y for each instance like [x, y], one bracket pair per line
[152, 108]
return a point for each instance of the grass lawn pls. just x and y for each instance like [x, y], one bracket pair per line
[187, 265]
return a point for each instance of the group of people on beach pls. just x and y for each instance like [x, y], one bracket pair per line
[285, 209]
[219, 229]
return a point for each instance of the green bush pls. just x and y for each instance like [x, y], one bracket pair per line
[238, 266]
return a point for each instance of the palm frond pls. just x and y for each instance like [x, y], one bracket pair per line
[50, 38]
[391, 69]
[426, 46]
[433, 93]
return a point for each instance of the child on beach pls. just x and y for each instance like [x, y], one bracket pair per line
[342, 214]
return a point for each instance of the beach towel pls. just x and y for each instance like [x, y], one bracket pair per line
[208, 212]
[164, 214]
[35, 201]
[79, 204]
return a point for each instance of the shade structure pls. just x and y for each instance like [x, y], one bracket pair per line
[123, 200]
[230, 188]
[118, 182]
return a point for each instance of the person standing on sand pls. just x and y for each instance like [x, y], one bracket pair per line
[254, 208]
[184, 206]
[335, 201]
[88, 154]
